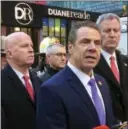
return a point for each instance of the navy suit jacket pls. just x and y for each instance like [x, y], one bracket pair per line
[63, 103]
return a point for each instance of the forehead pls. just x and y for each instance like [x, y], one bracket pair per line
[110, 23]
[60, 49]
[87, 32]
[23, 40]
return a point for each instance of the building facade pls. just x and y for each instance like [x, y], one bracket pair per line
[94, 6]
[40, 21]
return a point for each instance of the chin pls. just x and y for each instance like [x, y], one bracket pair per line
[30, 63]
[90, 66]
[61, 67]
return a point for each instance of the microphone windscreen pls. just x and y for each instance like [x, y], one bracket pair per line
[101, 127]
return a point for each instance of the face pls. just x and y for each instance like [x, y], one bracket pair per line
[85, 52]
[110, 32]
[57, 60]
[3, 61]
[21, 53]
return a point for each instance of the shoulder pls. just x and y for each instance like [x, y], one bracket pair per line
[6, 72]
[125, 57]
[34, 77]
[55, 81]
[45, 76]
[121, 56]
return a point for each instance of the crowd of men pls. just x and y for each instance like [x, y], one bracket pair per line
[85, 90]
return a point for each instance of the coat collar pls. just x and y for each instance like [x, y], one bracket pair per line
[18, 85]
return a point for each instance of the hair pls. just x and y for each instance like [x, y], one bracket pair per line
[107, 16]
[52, 48]
[77, 25]
[14, 38]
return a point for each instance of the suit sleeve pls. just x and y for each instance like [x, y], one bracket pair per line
[3, 119]
[50, 110]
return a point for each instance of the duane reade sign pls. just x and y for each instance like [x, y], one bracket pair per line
[23, 13]
[67, 13]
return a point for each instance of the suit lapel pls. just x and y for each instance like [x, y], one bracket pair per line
[100, 85]
[35, 83]
[122, 68]
[78, 87]
[17, 84]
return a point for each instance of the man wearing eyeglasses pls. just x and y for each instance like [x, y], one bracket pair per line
[56, 59]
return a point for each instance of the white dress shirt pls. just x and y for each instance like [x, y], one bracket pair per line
[20, 75]
[84, 78]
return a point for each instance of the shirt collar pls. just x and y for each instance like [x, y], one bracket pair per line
[81, 75]
[107, 55]
[19, 74]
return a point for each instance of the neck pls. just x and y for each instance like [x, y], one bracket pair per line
[87, 71]
[84, 70]
[22, 69]
[55, 68]
[110, 51]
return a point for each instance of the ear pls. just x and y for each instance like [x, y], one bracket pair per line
[8, 54]
[70, 48]
[47, 57]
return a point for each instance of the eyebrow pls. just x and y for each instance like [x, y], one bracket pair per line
[90, 39]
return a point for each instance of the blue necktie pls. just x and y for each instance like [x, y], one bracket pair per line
[97, 102]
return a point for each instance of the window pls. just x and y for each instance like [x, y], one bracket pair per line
[55, 27]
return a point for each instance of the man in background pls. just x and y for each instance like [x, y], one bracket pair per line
[113, 66]
[56, 59]
[19, 86]
[3, 54]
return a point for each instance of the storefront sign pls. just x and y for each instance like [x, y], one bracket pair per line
[23, 13]
[69, 14]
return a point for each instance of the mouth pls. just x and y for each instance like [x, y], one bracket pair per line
[31, 57]
[90, 57]
[112, 41]
[62, 62]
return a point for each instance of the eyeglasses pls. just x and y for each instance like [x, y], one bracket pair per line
[59, 54]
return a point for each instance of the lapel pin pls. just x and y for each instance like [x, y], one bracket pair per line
[125, 64]
[100, 83]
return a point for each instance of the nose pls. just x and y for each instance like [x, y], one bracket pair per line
[64, 57]
[92, 46]
[112, 33]
[31, 49]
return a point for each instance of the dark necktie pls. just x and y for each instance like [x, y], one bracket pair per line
[114, 68]
[97, 102]
[29, 88]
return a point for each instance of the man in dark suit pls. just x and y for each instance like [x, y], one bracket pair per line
[76, 98]
[117, 76]
[19, 87]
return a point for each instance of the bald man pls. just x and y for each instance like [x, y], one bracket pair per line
[19, 86]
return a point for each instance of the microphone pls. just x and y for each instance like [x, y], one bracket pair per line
[101, 127]
[120, 125]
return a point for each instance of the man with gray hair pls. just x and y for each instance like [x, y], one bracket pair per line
[56, 59]
[113, 66]
[3, 53]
